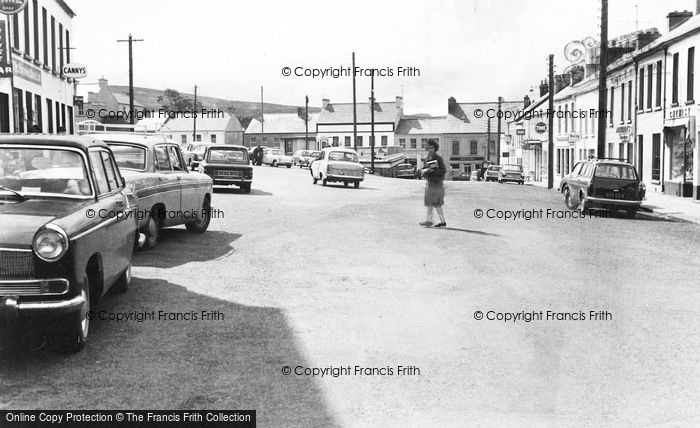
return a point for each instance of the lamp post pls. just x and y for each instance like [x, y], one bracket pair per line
[131, 41]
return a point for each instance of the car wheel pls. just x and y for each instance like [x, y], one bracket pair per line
[570, 204]
[246, 188]
[74, 334]
[357, 185]
[274, 164]
[345, 184]
[202, 223]
[152, 232]
[324, 181]
[585, 205]
[289, 166]
[631, 213]
[124, 281]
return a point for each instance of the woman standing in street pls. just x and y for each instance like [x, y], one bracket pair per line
[435, 186]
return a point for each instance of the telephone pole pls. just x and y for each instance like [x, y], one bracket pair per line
[550, 126]
[498, 133]
[194, 115]
[131, 41]
[488, 139]
[262, 117]
[372, 118]
[354, 105]
[306, 122]
[602, 79]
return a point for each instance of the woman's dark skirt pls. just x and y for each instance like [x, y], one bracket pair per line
[434, 194]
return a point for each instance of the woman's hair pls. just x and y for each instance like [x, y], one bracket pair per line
[435, 144]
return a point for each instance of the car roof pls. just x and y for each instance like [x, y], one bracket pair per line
[75, 141]
[143, 139]
[339, 149]
[233, 146]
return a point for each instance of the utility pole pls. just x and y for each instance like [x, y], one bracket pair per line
[194, 115]
[602, 80]
[488, 139]
[131, 41]
[306, 122]
[550, 126]
[371, 107]
[262, 117]
[498, 133]
[354, 105]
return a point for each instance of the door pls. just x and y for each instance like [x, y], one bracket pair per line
[288, 149]
[189, 184]
[168, 188]
[4, 113]
[115, 238]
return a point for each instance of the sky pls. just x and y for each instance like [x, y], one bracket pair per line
[473, 50]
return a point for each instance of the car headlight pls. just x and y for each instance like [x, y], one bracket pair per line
[50, 243]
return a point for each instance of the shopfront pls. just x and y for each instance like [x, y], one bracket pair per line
[680, 144]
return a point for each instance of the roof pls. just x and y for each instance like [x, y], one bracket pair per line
[75, 141]
[465, 120]
[421, 125]
[582, 87]
[66, 8]
[124, 99]
[212, 124]
[385, 112]
[689, 26]
[283, 123]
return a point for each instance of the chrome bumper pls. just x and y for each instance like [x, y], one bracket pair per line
[13, 308]
[331, 177]
[606, 201]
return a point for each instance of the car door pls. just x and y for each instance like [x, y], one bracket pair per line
[115, 236]
[573, 178]
[169, 192]
[316, 165]
[189, 183]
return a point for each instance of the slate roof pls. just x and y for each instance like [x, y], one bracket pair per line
[385, 112]
[124, 99]
[211, 124]
[464, 120]
[283, 123]
[413, 125]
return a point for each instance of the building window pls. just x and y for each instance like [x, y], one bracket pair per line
[45, 33]
[63, 117]
[414, 143]
[566, 121]
[691, 74]
[15, 31]
[423, 143]
[348, 141]
[198, 138]
[60, 49]
[473, 147]
[612, 105]
[35, 19]
[335, 141]
[559, 119]
[674, 90]
[656, 157]
[39, 117]
[402, 142]
[19, 110]
[622, 103]
[658, 83]
[27, 41]
[610, 150]
[213, 138]
[30, 111]
[70, 120]
[492, 146]
[67, 47]
[629, 101]
[58, 117]
[573, 124]
[359, 141]
[183, 139]
[53, 44]
[49, 114]
[650, 85]
[640, 102]
[385, 140]
[455, 148]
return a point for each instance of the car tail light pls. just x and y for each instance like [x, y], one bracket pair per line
[642, 190]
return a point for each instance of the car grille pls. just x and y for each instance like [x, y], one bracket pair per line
[15, 264]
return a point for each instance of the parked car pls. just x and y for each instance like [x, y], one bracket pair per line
[168, 194]
[303, 158]
[338, 165]
[68, 233]
[406, 170]
[276, 157]
[492, 173]
[227, 165]
[511, 173]
[603, 183]
[193, 154]
[475, 176]
[462, 176]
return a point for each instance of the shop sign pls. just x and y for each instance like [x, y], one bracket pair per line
[12, 7]
[541, 127]
[679, 112]
[27, 72]
[74, 71]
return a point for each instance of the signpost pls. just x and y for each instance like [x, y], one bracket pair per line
[541, 127]
[520, 131]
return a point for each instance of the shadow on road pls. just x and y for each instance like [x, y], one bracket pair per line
[233, 360]
[236, 190]
[475, 232]
[177, 247]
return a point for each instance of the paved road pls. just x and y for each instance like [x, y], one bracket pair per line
[316, 277]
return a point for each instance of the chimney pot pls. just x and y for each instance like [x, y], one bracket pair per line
[325, 102]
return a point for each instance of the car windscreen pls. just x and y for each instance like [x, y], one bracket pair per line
[513, 168]
[38, 171]
[342, 156]
[277, 152]
[227, 155]
[619, 172]
[128, 156]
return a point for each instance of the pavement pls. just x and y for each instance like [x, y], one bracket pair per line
[516, 314]
[686, 209]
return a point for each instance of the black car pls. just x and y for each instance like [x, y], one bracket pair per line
[511, 173]
[603, 183]
[67, 236]
[227, 165]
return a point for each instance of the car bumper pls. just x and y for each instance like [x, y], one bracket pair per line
[348, 178]
[232, 180]
[11, 308]
[617, 202]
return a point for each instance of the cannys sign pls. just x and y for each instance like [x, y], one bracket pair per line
[75, 70]
[11, 7]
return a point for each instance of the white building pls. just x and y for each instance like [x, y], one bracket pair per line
[220, 128]
[37, 98]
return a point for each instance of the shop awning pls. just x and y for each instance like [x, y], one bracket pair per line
[687, 122]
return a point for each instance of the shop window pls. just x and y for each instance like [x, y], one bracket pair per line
[681, 158]
[385, 140]
[348, 141]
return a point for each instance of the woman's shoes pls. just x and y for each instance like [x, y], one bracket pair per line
[426, 223]
[440, 225]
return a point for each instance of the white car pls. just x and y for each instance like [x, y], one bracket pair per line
[276, 157]
[338, 165]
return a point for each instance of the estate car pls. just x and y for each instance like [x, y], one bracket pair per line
[168, 194]
[276, 157]
[338, 165]
[603, 183]
[68, 234]
[492, 173]
[227, 165]
[511, 173]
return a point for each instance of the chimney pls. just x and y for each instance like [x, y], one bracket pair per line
[697, 7]
[526, 102]
[676, 18]
[544, 88]
[301, 112]
[452, 106]
[399, 101]
[326, 101]
[649, 36]
[102, 82]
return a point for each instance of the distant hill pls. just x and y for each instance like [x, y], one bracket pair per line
[244, 110]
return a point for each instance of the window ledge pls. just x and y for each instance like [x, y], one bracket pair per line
[689, 102]
[658, 108]
[656, 182]
[674, 104]
[27, 56]
[46, 67]
[649, 110]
